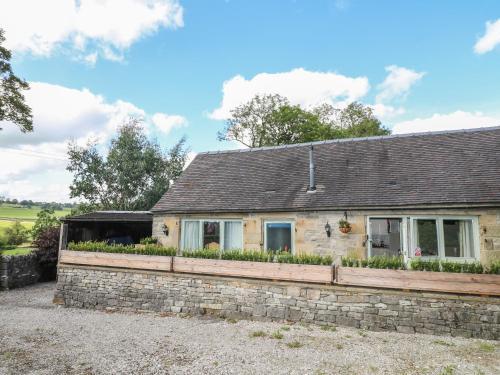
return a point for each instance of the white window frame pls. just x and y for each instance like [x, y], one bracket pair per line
[404, 230]
[440, 236]
[276, 221]
[221, 230]
[409, 237]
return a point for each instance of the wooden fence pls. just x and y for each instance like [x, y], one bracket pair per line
[140, 262]
[459, 283]
[464, 283]
[257, 270]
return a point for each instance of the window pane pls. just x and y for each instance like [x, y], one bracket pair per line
[191, 235]
[279, 236]
[211, 235]
[458, 238]
[385, 236]
[426, 237]
[233, 235]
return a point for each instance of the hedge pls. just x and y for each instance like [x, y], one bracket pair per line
[103, 247]
[259, 256]
[419, 264]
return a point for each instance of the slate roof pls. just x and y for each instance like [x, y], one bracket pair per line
[112, 216]
[455, 168]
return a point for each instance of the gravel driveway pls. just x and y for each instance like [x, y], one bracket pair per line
[37, 337]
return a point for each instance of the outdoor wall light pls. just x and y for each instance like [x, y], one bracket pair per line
[328, 229]
[164, 228]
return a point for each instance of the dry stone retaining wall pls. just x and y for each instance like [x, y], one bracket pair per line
[409, 312]
[18, 271]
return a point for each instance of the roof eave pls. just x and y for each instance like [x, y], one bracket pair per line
[424, 206]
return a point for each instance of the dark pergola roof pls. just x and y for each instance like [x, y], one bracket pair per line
[439, 169]
[123, 216]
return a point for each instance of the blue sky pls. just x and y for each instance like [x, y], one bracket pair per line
[423, 65]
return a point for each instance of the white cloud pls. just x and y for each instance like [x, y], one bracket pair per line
[166, 123]
[398, 83]
[490, 39]
[450, 121]
[299, 86]
[34, 163]
[383, 111]
[87, 26]
[61, 113]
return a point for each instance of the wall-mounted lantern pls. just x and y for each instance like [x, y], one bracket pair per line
[328, 229]
[164, 229]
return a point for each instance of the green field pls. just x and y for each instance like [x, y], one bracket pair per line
[16, 251]
[10, 213]
[16, 212]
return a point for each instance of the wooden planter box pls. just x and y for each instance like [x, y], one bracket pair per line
[464, 283]
[257, 270]
[135, 261]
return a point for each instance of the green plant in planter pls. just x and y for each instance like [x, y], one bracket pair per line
[344, 226]
[450, 266]
[148, 241]
[432, 265]
[494, 268]
[474, 267]
[350, 262]
[386, 262]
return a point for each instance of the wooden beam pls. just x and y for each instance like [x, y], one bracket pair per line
[134, 261]
[463, 283]
[257, 270]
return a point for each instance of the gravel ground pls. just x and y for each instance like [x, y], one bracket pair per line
[37, 337]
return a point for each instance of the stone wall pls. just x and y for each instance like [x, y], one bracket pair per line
[408, 312]
[18, 271]
[310, 236]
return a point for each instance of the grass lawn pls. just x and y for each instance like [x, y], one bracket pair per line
[16, 251]
[12, 211]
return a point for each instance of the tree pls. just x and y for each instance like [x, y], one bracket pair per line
[45, 219]
[134, 174]
[354, 121]
[249, 123]
[12, 104]
[16, 234]
[270, 120]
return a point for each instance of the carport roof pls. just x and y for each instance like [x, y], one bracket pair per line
[111, 216]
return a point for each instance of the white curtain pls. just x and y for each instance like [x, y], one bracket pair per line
[466, 244]
[232, 235]
[191, 236]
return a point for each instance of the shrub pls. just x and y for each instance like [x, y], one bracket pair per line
[47, 249]
[350, 262]
[435, 265]
[149, 241]
[385, 262]
[381, 262]
[16, 234]
[474, 267]
[303, 259]
[247, 255]
[258, 256]
[494, 268]
[203, 253]
[103, 247]
[45, 219]
[450, 266]
[419, 264]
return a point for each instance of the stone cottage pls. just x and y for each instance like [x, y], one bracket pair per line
[429, 194]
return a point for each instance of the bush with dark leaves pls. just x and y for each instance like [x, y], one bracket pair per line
[47, 247]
